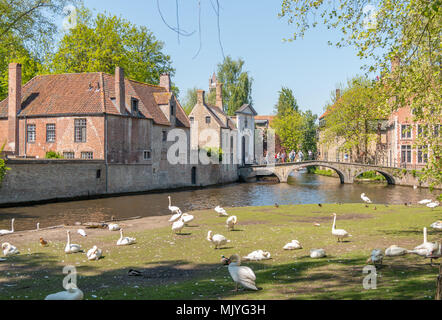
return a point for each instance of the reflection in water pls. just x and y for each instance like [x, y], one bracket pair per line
[302, 188]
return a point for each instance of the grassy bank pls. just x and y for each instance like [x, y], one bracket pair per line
[187, 267]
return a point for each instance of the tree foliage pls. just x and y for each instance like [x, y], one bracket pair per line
[286, 102]
[102, 42]
[3, 168]
[190, 100]
[408, 31]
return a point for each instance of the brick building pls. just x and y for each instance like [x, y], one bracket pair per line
[90, 116]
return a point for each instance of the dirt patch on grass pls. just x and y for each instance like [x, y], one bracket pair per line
[347, 216]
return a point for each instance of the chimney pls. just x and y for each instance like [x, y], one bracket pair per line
[200, 96]
[338, 94]
[395, 64]
[165, 81]
[120, 90]
[219, 95]
[14, 106]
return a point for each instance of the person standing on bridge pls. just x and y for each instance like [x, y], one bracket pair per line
[310, 155]
[301, 156]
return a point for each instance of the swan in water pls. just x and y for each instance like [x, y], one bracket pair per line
[113, 227]
[9, 249]
[365, 198]
[231, 221]
[433, 205]
[82, 233]
[425, 201]
[376, 257]
[217, 239]
[395, 251]
[94, 253]
[221, 211]
[437, 225]
[176, 216]
[178, 226]
[70, 247]
[339, 233]
[241, 275]
[173, 209]
[426, 248]
[124, 241]
[257, 255]
[317, 253]
[2, 232]
[294, 245]
[71, 294]
[187, 218]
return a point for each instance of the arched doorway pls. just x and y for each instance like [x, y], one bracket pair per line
[243, 151]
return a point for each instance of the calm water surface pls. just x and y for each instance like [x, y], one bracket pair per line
[303, 188]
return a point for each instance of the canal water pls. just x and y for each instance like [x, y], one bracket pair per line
[303, 188]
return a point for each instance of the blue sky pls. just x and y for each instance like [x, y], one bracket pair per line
[250, 29]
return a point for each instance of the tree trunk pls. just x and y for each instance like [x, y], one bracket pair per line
[439, 284]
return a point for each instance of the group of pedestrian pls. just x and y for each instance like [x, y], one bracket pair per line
[293, 156]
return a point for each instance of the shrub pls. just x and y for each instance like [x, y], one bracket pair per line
[53, 155]
[3, 167]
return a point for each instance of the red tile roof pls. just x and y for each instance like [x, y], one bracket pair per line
[89, 93]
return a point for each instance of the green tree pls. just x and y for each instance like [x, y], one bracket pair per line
[3, 168]
[309, 141]
[286, 102]
[190, 100]
[290, 129]
[100, 43]
[408, 31]
[237, 89]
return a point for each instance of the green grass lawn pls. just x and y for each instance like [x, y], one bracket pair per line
[187, 266]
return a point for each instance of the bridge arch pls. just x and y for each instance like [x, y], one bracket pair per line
[339, 172]
[386, 175]
[270, 172]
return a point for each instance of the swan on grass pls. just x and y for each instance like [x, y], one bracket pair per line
[241, 275]
[365, 198]
[437, 225]
[218, 240]
[82, 233]
[178, 226]
[395, 251]
[433, 205]
[3, 232]
[425, 201]
[294, 245]
[376, 257]
[173, 209]
[257, 255]
[436, 253]
[176, 216]
[231, 221]
[9, 249]
[187, 218]
[339, 233]
[70, 247]
[317, 253]
[426, 248]
[113, 227]
[125, 241]
[94, 253]
[221, 211]
[70, 294]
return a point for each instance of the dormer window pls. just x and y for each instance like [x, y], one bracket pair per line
[208, 120]
[134, 106]
[192, 119]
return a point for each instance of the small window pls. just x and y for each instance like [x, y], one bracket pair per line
[192, 119]
[135, 106]
[31, 133]
[406, 154]
[164, 136]
[98, 174]
[50, 132]
[68, 155]
[208, 119]
[80, 130]
[147, 155]
[246, 123]
[406, 131]
[87, 155]
[422, 131]
[422, 155]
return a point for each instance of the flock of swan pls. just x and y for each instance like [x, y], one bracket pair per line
[241, 275]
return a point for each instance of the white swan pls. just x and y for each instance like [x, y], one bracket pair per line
[178, 226]
[317, 253]
[376, 256]
[71, 294]
[9, 249]
[177, 216]
[218, 240]
[231, 221]
[339, 233]
[38, 226]
[187, 218]
[241, 275]
[437, 225]
[425, 248]
[173, 209]
[257, 255]
[125, 241]
[2, 232]
[436, 253]
[395, 251]
[221, 211]
[365, 198]
[433, 205]
[425, 201]
[94, 253]
[70, 247]
[113, 227]
[82, 233]
[294, 245]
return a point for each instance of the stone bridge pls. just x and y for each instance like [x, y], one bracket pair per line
[346, 171]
